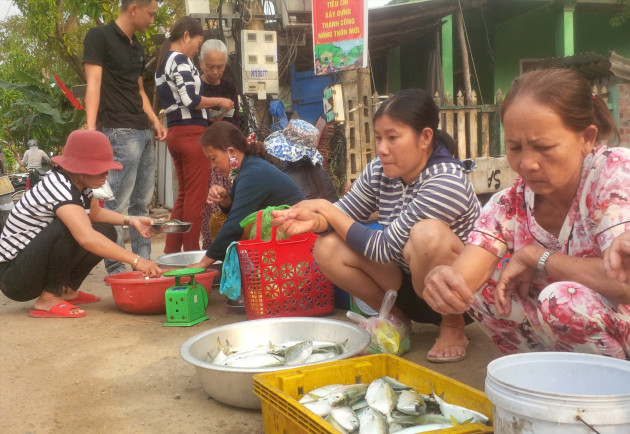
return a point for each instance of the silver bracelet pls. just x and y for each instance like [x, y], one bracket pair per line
[543, 260]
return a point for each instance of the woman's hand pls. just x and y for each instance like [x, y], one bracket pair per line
[217, 194]
[204, 263]
[297, 220]
[446, 291]
[143, 225]
[617, 258]
[516, 277]
[226, 103]
[148, 268]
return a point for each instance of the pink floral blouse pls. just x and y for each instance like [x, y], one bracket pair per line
[599, 213]
[559, 316]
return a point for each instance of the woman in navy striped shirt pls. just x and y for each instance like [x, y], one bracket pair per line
[179, 87]
[426, 206]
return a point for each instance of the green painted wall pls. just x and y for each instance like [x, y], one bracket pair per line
[593, 32]
[480, 38]
[529, 35]
[447, 53]
[565, 33]
[414, 62]
[394, 68]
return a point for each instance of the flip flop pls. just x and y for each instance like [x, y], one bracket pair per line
[449, 359]
[85, 298]
[62, 310]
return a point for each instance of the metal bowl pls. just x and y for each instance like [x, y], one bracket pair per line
[184, 259]
[171, 228]
[234, 386]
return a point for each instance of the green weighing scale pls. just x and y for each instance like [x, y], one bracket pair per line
[186, 303]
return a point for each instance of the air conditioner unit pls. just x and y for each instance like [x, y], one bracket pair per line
[259, 49]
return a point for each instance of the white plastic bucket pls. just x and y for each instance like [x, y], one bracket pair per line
[551, 392]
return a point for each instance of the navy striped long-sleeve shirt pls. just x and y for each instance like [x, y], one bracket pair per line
[442, 191]
[179, 88]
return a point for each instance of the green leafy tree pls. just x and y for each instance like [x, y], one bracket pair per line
[63, 24]
[38, 110]
[50, 41]
[623, 15]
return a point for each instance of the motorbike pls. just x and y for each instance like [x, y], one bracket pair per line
[22, 182]
[18, 180]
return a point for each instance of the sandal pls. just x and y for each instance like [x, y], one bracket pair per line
[62, 310]
[448, 359]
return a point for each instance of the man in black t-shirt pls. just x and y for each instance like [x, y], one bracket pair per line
[116, 102]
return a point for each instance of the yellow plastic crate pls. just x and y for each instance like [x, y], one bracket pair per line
[280, 391]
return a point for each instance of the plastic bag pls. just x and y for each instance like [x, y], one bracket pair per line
[265, 231]
[231, 274]
[277, 111]
[104, 192]
[388, 334]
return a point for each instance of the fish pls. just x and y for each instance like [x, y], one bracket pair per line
[347, 395]
[331, 420]
[290, 353]
[321, 407]
[395, 384]
[359, 405]
[337, 349]
[377, 408]
[345, 417]
[372, 422]
[298, 353]
[223, 351]
[309, 397]
[324, 391]
[460, 414]
[381, 397]
[254, 360]
[406, 420]
[410, 402]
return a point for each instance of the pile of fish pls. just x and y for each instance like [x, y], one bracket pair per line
[290, 353]
[385, 406]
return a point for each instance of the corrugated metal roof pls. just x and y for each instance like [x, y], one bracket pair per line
[391, 26]
[590, 65]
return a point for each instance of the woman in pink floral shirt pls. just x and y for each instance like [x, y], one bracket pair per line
[571, 200]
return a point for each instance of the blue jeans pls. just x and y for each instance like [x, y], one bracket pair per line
[132, 186]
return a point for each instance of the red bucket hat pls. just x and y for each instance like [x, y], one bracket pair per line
[87, 152]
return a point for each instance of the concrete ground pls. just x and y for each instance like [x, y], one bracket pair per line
[117, 372]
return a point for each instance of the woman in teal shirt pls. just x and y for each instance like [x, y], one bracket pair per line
[256, 183]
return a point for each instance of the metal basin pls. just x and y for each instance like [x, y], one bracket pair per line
[171, 228]
[184, 259]
[234, 386]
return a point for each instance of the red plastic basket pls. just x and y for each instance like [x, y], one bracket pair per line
[279, 278]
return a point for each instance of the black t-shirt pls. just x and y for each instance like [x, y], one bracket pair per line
[123, 63]
[224, 89]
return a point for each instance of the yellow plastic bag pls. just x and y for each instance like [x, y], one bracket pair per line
[388, 334]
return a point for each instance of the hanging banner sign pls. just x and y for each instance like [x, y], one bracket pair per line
[339, 35]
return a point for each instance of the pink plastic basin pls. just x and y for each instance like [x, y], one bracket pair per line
[133, 294]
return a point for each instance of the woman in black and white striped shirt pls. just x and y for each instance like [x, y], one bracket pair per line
[179, 87]
[426, 206]
[57, 232]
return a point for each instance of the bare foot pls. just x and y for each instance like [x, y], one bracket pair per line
[48, 300]
[451, 345]
[69, 294]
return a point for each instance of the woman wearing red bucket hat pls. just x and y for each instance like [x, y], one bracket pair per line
[57, 233]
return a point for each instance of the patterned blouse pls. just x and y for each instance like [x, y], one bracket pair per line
[598, 214]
